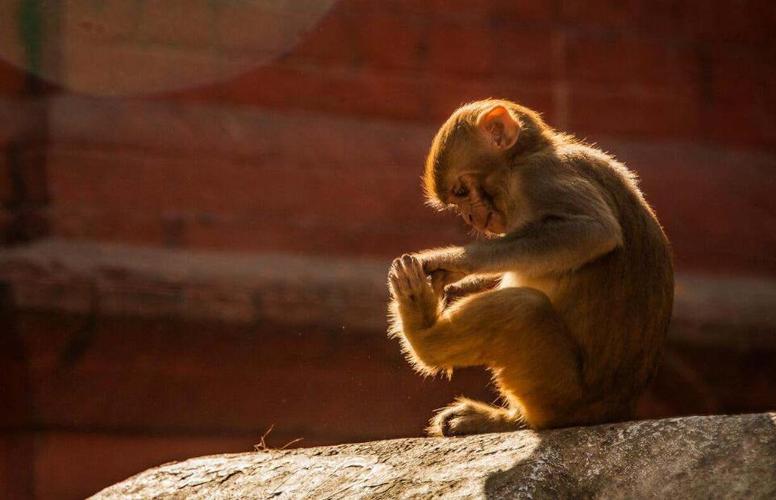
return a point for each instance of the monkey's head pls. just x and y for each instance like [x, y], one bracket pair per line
[471, 157]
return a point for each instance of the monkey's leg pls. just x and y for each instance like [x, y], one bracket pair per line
[535, 361]
[415, 313]
[415, 310]
[514, 331]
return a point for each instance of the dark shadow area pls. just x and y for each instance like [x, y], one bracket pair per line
[17, 454]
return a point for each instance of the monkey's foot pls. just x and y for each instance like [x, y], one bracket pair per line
[465, 416]
[418, 304]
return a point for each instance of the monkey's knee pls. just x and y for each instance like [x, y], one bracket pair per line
[529, 303]
[515, 305]
[517, 319]
[536, 361]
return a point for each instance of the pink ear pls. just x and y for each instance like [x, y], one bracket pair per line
[500, 127]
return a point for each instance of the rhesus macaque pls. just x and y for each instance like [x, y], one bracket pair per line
[568, 299]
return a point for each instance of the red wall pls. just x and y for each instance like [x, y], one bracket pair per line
[319, 152]
[679, 90]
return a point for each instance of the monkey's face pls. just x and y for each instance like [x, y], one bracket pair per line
[476, 199]
[465, 167]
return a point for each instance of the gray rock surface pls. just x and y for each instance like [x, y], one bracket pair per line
[694, 457]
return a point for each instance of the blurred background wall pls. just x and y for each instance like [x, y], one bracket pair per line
[199, 202]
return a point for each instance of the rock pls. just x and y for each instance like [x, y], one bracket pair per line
[694, 457]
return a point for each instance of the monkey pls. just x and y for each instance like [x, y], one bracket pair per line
[567, 296]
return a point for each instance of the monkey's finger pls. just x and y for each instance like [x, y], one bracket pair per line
[396, 275]
[438, 282]
[392, 286]
[409, 265]
[400, 267]
[396, 284]
[417, 270]
[406, 263]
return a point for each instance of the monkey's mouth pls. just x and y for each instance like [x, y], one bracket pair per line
[494, 224]
[487, 221]
[482, 227]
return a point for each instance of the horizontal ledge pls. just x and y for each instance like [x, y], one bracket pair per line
[108, 279]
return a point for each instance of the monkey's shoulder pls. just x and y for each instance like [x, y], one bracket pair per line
[597, 166]
[589, 157]
[575, 158]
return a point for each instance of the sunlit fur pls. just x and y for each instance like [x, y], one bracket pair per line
[574, 329]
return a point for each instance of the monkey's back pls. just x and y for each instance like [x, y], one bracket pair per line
[620, 303]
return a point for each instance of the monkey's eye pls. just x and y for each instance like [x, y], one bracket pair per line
[460, 191]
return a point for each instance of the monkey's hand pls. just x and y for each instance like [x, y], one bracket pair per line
[442, 277]
[471, 284]
[417, 303]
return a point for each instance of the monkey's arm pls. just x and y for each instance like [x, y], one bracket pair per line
[551, 245]
[469, 285]
[577, 228]
[473, 284]
[454, 284]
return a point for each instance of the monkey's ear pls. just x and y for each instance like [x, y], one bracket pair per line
[499, 126]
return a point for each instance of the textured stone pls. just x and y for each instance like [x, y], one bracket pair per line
[695, 457]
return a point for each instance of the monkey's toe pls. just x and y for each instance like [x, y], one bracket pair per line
[452, 422]
[465, 417]
[456, 420]
[409, 275]
[396, 279]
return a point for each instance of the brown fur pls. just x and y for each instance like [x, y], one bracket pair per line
[574, 331]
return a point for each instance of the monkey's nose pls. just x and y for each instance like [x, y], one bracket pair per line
[469, 218]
